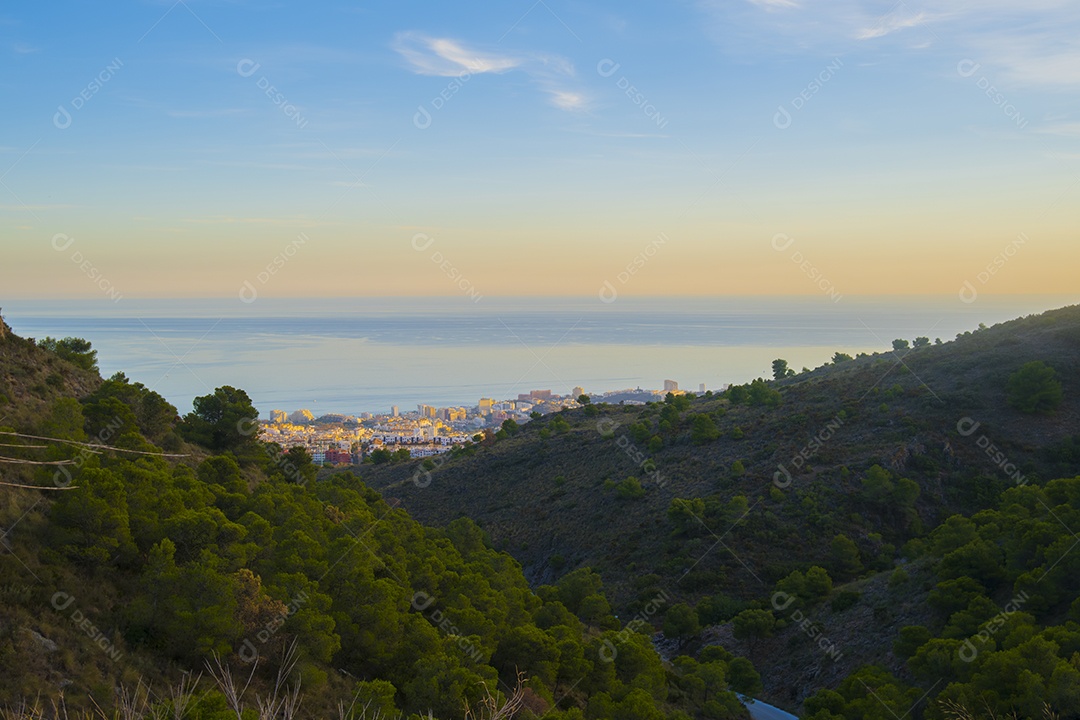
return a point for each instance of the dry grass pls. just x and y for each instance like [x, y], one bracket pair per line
[281, 702]
[956, 711]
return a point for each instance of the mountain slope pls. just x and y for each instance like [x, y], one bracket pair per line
[127, 567]
[771, 486]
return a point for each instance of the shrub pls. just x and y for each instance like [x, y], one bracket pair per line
[1034, 388]
[704, 429]
[630, 489]
[844, 600]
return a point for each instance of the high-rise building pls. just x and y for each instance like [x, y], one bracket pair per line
[278, 416]
[301, 417]
[671, 386]
[577, 392]
[541, 394]
[395, 411]
[701, 388]
[486, 405]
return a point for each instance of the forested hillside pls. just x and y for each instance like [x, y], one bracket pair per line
[797, 520]
[891, 535]
[158, 548]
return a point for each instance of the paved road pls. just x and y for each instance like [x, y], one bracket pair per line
[762, 711]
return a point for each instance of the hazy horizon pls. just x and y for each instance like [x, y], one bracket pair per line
[355, 355]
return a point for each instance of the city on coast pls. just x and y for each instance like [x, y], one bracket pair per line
[338, 439]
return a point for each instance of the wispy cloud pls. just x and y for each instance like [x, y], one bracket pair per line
[894, 21]
[1026, 42]
[775, 4]
[622, 135]
[567, 100]
[1046, 57]
[224, 112]
[23, 49]
[447, 57]
[1062, 129]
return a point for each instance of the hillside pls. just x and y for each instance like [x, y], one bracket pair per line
[721, 509]
[31, 378]
[164, 566]
[882, 536]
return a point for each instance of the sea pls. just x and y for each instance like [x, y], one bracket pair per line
[354, 355]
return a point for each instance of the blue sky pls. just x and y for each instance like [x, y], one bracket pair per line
[542, 147]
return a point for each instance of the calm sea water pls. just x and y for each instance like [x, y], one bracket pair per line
[360, 354]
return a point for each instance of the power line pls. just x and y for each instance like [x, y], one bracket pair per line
[37, 487]
[91, 445]
[20, 461]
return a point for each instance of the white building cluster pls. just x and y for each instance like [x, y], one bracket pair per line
[428, 430]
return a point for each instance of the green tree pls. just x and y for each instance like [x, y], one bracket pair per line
[717, 608]
[380, 456]
[825, 704]
[899, 345]
[922, 341]
[681, 623]
[560, 424]
[377, 698]
[760, 393]
[874, 694]
[844, 558]
[153, 415]
[630, 489]
[840, 357]
[780, 369]
[711, 680]
[877, 486]
[575, 586]
[92, 520]
[638, 705]
[640, 432]
[753, 625]
[704, 429]
[910, 639]
[528, 649]
[818, 583]
[794, 585]
[685, 514]
[225, 420]
[743, 678]
[1034, 388]
[296, 465]
[75, 350]
[737, 394]
[595, 610]
[66, 419]
[950, 596]
[584, 399]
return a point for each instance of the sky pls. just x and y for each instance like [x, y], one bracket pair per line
[235, 149]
